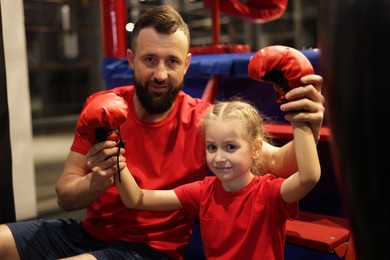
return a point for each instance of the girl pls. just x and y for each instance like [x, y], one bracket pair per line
[242, 210]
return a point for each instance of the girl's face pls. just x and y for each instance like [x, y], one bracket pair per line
[229, 154]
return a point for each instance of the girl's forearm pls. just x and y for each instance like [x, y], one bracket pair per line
[129, 191]
[307, 155]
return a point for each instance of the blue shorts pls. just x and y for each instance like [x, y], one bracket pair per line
[59, 238]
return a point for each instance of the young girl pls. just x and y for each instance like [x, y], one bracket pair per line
[242, 210]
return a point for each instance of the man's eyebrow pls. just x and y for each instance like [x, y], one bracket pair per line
[149, 54]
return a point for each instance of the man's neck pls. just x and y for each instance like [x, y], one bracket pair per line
[144, 115]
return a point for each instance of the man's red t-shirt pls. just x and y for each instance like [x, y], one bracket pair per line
[161, 155]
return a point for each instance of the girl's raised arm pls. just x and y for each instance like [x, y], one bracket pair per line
[302, 182]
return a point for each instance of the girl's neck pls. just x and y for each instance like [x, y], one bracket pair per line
[237, 183]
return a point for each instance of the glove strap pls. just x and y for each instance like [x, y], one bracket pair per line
[103, 134]
[120, 144]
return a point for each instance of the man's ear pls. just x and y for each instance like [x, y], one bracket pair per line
[188, 61]
[130, 58]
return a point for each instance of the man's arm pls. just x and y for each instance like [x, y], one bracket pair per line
[281, 161]
[86, 177]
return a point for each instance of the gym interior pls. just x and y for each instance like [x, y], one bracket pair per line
[56, 53]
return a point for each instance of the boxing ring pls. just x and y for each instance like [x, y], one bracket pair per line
[322, 230]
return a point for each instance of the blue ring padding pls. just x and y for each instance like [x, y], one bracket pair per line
[202, 66]
[232, 68]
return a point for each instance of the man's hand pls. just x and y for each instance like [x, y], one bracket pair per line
[102, 161]
[306, 104]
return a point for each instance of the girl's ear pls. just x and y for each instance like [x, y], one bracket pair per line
[257, 149]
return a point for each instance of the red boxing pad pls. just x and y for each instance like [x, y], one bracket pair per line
[283, 66]
[254, 11]
[101, 116]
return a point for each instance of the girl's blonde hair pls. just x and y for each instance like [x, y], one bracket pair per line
[250, 121]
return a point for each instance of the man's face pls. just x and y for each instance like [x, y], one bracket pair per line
[159, 62]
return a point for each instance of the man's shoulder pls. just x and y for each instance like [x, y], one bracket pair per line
[193, 102]
[117, 90]
[123, 91]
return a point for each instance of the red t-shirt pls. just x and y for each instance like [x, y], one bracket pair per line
[160, 155]
[245, 224]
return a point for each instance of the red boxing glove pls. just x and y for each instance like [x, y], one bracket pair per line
[283, 66]
[254, 11]
[101, 117]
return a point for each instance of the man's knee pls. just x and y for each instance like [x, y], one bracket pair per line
[80, 257]
[7, 244]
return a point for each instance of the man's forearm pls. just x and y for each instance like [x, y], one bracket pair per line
[281, 161]
[76, 193]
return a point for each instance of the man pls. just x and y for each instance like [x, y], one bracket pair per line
[163, 150]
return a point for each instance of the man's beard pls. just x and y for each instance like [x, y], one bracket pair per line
[156, 103]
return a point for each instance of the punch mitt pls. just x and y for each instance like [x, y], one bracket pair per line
[101, 117]
[281, 65]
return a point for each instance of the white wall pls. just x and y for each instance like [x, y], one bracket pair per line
[19, 108]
